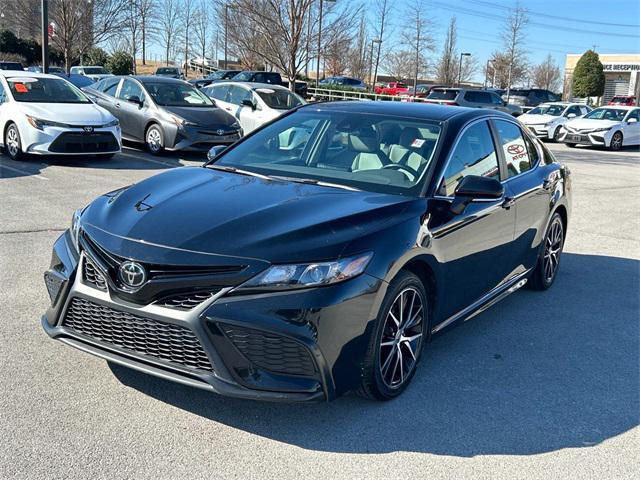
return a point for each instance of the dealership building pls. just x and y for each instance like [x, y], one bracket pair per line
[621, 72]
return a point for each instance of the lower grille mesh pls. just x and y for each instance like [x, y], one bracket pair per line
[270, 351]
[187, 301]
[145, 336]
[93, 276]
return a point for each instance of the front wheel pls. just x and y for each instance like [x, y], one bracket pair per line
[616, 141]
[12, 143]
[397, 341]
[556, 135]
[154, 140]
[549, 260]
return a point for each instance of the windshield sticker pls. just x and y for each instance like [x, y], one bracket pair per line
[20, 88]
[417, 143]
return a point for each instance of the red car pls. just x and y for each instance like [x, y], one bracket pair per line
[628, 100]
[393, 88]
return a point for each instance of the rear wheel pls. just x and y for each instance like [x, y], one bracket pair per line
[154, 140]
[556, 135]
[549, 260]
[12, 142]
[616, 141]
[397, 342]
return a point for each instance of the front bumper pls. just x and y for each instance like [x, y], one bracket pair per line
[541, 131]
[72, 141]
[596, 139]
[289, 346]
[199, 139]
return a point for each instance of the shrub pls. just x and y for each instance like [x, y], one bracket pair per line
[96, 56]
[120, 63]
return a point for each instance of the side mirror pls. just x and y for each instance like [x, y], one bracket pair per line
[135, 99]
[249, 103]
[474, 187]
[632, 120]
[215, 151]
[572, 115]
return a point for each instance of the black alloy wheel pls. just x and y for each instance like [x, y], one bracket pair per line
[547, 268]
[398, 340]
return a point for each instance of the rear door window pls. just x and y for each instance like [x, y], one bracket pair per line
[443, 94]
[518, 156]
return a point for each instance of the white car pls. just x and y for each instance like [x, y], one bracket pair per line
[253, 104]
[611, 126]
[545, 120]
[94, 72]
[46, 115]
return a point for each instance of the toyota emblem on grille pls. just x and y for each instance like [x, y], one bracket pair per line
[132, 274]
[219, 131]
[88, 129]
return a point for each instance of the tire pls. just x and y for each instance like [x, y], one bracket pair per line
[616, 141]
[556, 134]
[154, 139]
[13, 143]
[392, 351]
[548, 263]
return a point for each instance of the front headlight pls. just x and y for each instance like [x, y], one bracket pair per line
[603, 129]
[75, 228]
[39, 124]
[114, 123]
[179, 121]
[287, 277]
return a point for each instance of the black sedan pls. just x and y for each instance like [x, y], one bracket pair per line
[165, 113]
[217, 76]
[318, 255]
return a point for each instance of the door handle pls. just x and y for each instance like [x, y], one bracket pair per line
[508, 202]
[118, 105]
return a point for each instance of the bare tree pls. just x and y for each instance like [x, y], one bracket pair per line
[169, 28]
[201, 27]
[447, 67]
[133, 28]
[513, 37]
[188, 11]
[546, 75]
[418, 37]
[147, 11]
[399, 64]
[502, 73]
[336, 54]
[358, 56]
[382, 9]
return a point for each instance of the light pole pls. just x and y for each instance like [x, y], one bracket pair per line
[371, 79]
[464, 54]
[486, 74]
[320, 40]
[226, 34]
[45, 35]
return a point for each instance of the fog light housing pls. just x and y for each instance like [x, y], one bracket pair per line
[54, 282]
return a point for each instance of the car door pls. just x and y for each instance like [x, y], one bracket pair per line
[631, 128]
[4, 107]
[131, 113]
[473, 248]
[529, 185]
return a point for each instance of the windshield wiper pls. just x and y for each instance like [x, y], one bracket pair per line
[311, 181]
[238, 171]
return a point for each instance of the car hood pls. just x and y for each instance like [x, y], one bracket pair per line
[212, 117]
[537, 119]
[588, 123]
[71, 113]
[201, 210]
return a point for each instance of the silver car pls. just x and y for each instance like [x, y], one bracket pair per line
[465, 97]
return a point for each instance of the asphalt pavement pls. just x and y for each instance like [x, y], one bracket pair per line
[543, 385]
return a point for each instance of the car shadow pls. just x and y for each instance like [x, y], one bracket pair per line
[538, 372]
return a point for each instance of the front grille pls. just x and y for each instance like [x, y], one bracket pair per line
[186, 301]
[270, 351]
[76, 142]
[92, 276]
[145, 336]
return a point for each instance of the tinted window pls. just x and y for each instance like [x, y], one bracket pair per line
[219, 92]
[496, 99]
[95, 71]
[11, 66]
[279, 99]
[634, 114]
[3, 96]
[129, 90]
[167, 71]
[516, 153]
[443, 94]
[553, 110]
[474, 154]
[109, 86]
[574, 109]
[477, 97]
[614, 114]
[176, 94]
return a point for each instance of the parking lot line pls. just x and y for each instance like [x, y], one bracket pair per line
[152, 160]
[26, 173]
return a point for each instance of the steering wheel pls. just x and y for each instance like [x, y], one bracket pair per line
[407, 170]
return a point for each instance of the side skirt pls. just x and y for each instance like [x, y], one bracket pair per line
[490, 299]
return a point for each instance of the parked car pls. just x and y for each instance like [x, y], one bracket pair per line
[165, 113]
[471, 98]
[611, 127]
[628, 100]
[216, 76]
[95, 73]
[79, 81]
[302, 274]
[38, 69]
[170, 72]
[353, 83]
[530, 97]
[422, 91]
[253, 104]
[545, 120]
[272, 78]
[393, 88]
[43, 114]
[16, 66]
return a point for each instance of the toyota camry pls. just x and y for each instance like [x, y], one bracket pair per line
[318, 255]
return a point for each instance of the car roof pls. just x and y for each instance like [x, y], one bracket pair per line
[564, 103]
[88, 66]
[152, 78]
[251, 85]
[618, 107]
[438, 113]
[22, 73]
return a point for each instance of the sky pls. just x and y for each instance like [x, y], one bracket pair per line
[557, 27]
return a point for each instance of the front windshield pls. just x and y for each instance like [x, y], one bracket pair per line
[94, 71]
[167, 71]
[553, 110]
[279, 99]
[614, 114]
[44, 90]
[243, 76]
[370, 152]
[169, 94]
[216, 75]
